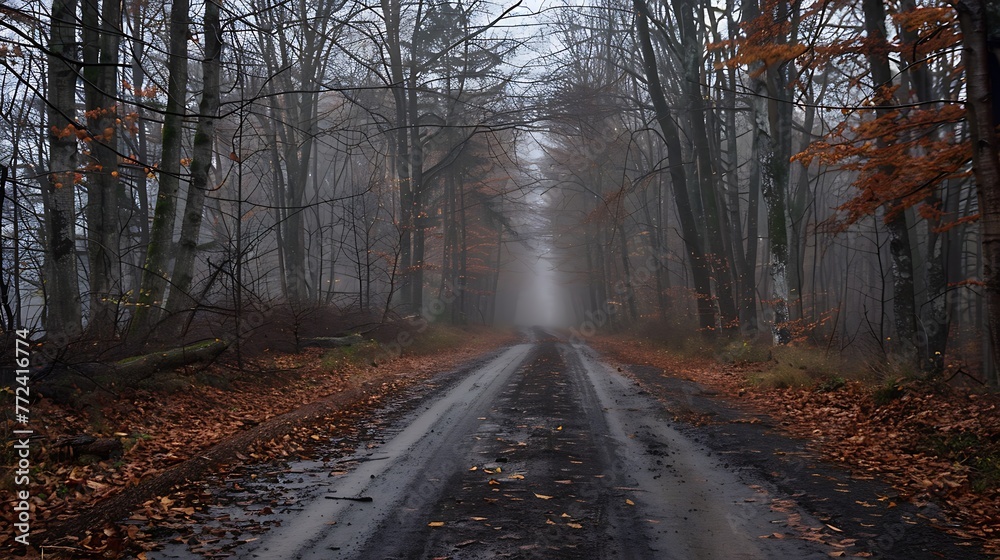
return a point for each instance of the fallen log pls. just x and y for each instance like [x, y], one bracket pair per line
[85, 444]
[166, 359]
[332, 341]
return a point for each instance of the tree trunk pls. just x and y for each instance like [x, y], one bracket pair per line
[62, 289]
[153, 363]
[772, 186]
[744, 259]
[201, 164]
[417, 190]
[981, 69]
[137, 218]
[11, 320]
[771, 145]
[156, 268]
[633, 310]
[717, 257]
[798, 206]
[702, 279]
[390, 13]
[903, 298]
[934, 321]
[101, 40]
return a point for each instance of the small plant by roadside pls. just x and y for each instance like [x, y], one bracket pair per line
[832, 384]
[354, 355]
[746, 352]
[888, 392]
[794, 367]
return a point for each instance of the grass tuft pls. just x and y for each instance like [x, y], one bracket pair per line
[746, 352]
[802, 366]
[887, 393]
[782, 378]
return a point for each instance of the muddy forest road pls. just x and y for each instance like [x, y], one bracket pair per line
[546, 452]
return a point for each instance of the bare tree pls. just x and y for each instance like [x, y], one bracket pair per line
[62, 290]
[156, 269]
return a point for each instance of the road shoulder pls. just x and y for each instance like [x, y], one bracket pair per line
[861, 515]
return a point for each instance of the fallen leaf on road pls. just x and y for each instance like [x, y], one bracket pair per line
[436, 524]
[574, 525]
[543, 496]
[629, 502]
[478, 518]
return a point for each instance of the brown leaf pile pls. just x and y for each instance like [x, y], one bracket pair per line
[159, 430]
[904, 442]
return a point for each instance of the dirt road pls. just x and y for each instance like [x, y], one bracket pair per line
[543, 452]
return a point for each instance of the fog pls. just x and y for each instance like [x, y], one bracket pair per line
[672, 168]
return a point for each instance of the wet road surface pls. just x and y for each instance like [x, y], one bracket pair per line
[544, 451]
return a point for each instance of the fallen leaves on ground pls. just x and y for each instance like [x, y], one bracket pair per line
[913, 442]
[159, 429]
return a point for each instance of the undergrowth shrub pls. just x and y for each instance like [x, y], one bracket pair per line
[781, 378]
[436, 338]
[805, 366]
[746, 352]
[888, 392]
[355, 354]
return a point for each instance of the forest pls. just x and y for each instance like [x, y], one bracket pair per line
[214, 214]
[821, 171]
